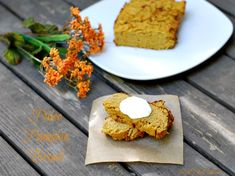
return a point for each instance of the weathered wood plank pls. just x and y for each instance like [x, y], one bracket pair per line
[14, 122]
[11, 163]
[19, 106]
[230, 49]
[56, 11]
[82, 4]
[226, 5]
[220, 83]
[201, 168]
[130, 89]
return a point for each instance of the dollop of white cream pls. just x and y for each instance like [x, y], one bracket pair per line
[135, 107]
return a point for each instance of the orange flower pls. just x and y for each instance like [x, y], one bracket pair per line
[81, 68]
[75, 12]
[77, 74]
[75, 25]
[75, 45]
[79, 45]
[84, 41]
[46, 62]
[85, 66]
[54, 52]
[95, 39]
[52, 77]
[64, 67]
[87, 23]
[83, 88]
[101, 37]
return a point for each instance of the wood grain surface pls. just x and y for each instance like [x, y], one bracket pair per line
[225, 5]
[206, 94]
[11, 163]
[18, 121]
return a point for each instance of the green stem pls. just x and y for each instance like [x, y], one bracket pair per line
[54, 38]
[36, 42]
[29, 56]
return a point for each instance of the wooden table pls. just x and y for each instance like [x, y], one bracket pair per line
[207, 96]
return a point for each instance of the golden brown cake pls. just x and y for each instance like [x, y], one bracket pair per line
[111, 106]
[120, 131]
[149, 23]
[157, 124]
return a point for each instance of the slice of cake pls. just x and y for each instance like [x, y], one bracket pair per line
[111, 106]
[149, 23]
[157, 124]
[120, 131]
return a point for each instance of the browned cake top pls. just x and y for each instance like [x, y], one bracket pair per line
[150, 16]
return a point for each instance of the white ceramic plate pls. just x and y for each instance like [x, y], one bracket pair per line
[203, 32]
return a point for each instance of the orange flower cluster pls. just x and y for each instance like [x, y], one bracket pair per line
[91, 37]
[84, 40]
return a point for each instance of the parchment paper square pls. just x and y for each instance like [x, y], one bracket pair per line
[101, 148]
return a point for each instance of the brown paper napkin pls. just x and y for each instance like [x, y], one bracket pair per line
[101, 148]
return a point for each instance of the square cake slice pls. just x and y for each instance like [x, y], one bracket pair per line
[149, 23]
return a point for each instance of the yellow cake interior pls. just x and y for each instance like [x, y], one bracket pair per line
[149, 23]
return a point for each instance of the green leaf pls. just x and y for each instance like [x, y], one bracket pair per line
[28, 22]
[40, 28]
[12, 56]
[12, 39]
[18, 40]
[51, 29]
[5, 40]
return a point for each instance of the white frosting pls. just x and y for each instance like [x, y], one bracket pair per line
[135, 107]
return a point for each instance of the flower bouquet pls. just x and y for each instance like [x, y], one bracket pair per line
[58, 53]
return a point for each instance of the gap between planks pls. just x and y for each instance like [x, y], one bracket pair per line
[223, 103]
[22, 154]
[209, 157]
